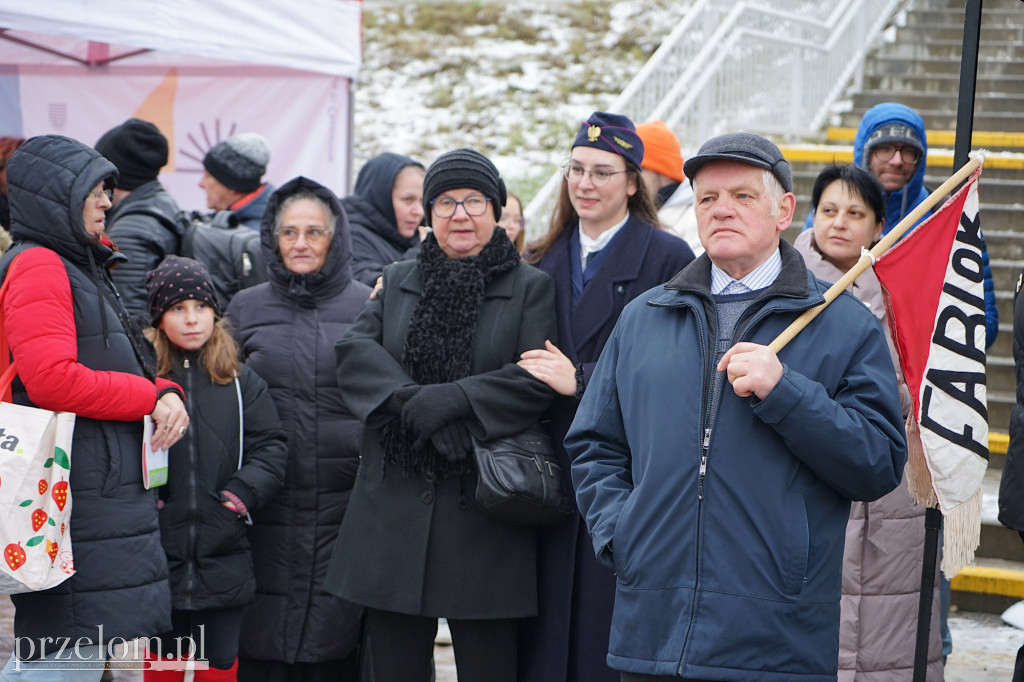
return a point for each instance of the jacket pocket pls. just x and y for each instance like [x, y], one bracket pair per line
[221, 531]
[794, 558]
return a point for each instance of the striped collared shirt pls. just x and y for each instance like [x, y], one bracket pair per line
[762, 276]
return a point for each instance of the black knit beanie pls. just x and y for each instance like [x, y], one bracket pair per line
[239, 162]
[177, 279]
[463, 169]
[138, 149]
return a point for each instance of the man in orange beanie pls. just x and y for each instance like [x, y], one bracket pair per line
[663, 175]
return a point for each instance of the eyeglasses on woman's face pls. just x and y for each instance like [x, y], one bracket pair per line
[97, 194]
[445, 207]
[600, 175]
[291, 235]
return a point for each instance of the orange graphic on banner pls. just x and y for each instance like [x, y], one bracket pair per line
[158, 109]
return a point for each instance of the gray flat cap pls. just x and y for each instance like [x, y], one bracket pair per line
[745, 148]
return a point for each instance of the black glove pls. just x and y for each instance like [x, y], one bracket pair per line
[453, 441]
[434, 406]
[397, 400]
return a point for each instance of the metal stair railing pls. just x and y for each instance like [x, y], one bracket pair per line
[774, 68]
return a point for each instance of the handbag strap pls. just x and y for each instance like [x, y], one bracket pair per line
[6, 363]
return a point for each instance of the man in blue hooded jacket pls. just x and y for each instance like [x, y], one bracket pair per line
[892, 144]
[722, 507]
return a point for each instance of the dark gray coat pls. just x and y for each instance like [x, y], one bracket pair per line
[419, 552]
[286, 328]
[144, 239]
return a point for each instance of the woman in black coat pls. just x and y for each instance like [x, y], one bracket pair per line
[384, 213]
[605, 219]
[286, 328]
[430, 361]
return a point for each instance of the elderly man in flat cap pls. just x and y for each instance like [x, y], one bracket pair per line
[714, 475]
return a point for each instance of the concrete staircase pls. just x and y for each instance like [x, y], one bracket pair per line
[920, 67]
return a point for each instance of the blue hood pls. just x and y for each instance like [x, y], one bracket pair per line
[874, 118]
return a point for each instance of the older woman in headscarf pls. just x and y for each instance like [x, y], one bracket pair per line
[430, 362]
[384, 212]
[286, 328]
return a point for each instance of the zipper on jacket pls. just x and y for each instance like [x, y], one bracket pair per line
[703, 464]
[193, 514]
[705, 418]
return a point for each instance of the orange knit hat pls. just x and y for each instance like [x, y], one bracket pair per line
[662, 153]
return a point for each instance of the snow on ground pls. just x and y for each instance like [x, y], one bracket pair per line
[512, 80]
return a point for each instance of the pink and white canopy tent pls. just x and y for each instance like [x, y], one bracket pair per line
[201, 70]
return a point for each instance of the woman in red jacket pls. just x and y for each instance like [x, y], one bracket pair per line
[78, 351]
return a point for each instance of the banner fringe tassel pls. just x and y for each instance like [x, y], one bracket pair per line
[919, 478]
[961, 534]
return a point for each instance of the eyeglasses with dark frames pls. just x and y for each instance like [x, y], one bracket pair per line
[445, 207]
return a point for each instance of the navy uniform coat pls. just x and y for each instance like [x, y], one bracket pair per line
[570, 638]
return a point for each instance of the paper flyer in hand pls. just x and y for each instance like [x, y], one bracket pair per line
[154, 462]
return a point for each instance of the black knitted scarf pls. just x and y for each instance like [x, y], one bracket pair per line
[439, 345]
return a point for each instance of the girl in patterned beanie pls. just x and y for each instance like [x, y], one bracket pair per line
[229, 463]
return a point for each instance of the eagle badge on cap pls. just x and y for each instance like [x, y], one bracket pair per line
[593, 132]
[622, 143]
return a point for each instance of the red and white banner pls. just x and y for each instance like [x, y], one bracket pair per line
[933, 280]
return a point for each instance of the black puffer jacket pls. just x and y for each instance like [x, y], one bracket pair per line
[206, 544]
[120, 582]
[287, 328]
[371, 215]
[143, 238]
[1011, 484]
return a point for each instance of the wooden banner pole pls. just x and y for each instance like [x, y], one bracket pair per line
[881, 247]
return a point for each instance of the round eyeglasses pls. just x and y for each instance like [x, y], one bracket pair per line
[445, 207]
[885, 152]
[313, 236]
[574, 172]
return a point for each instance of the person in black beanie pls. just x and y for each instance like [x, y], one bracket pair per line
[143, 220]
[429, 363]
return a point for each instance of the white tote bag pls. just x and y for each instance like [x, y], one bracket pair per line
[35, 500]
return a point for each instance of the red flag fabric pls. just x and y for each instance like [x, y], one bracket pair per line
[933, 281]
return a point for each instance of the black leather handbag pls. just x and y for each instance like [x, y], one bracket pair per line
[519, 480]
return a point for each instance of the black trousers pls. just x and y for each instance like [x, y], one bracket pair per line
[214, 634]
[402, 647]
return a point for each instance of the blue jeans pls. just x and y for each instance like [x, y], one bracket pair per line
[87, 668]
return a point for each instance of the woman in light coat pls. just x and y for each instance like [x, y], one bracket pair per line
[885, 538]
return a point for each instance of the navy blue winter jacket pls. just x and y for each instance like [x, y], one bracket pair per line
[736, 574]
